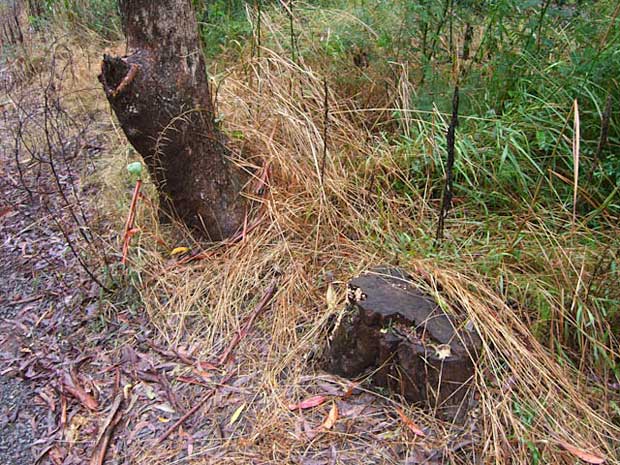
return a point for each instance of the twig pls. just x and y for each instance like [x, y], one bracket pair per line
[239, 335]
[78, 257]
[27, 300]
[442, 21]
[43, 453]
[610, 27]
[469, 35]
[292, 30]
[446, 202]
[541, 21]
[193, 410]
[103, 440]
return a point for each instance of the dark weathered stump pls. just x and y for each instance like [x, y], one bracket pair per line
[160, 94]
[400, 336]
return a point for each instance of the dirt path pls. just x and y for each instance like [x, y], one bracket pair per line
[21, 420]
[45, 295]
[36, 275]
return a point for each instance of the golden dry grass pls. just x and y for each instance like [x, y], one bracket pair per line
[315, 231]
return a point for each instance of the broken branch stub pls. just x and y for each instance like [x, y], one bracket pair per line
[402, 337]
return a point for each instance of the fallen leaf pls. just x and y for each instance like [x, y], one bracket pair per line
[106, 430]
[352, 411]
[584, 455]
[190, 380]
[47, 398]
[410, 424]
[331, 298]
[178, 251]
[204, 374]
[190, 441]
[236, 415]
[79, 393]
[443, 351]
[206, 366]
[5, 211]
[165, 407]
[331, 419]
[308, 403]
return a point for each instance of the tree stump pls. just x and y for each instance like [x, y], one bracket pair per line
[400, 336]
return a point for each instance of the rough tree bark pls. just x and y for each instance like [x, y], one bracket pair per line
[160, 94]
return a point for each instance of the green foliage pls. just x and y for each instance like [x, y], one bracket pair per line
[527, 63]
[101, 16]
[223, 24]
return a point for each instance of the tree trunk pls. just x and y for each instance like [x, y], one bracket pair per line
[160, 94]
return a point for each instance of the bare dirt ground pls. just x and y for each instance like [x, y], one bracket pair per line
[43, 292]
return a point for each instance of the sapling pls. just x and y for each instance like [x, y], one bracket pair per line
[135, 171]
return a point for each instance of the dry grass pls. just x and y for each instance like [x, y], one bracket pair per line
[314, 232]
